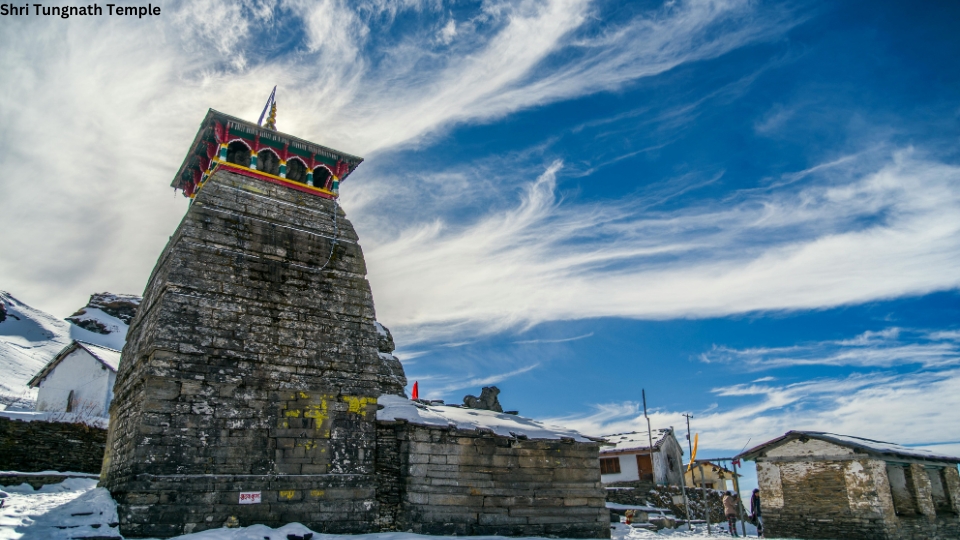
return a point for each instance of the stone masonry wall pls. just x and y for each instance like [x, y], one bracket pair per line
[50, 446]
[848, 498]
[251, 366]
[469, 483]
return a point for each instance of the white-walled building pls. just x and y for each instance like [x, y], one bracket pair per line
[631, 460]
[79, 380]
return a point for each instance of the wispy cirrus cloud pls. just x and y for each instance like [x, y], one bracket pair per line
[885, 406]
[857, 229]
[442, 385]
[883, 348]
[557, 340]
[118, 99]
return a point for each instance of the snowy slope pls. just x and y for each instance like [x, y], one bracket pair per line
[29, 338]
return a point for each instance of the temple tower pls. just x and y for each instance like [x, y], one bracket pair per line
[251, 373]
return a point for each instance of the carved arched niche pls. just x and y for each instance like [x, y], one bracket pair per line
[321, 176]
[268, 162]
[238, 152]
[296, 171]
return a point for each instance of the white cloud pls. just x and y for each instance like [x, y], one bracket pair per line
[559, 340]
[883, 406]
[97, 113]
[855, 232]
[881, 348]
[441, 386]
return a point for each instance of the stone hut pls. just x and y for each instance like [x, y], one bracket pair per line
[451, 470]
[253, 369]
[823, 485]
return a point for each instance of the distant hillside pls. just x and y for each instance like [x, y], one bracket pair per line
[29, 338]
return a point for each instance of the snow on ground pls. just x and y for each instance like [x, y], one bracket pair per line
[620, 531]
[507, 425]
[71, 509]
[77, 508]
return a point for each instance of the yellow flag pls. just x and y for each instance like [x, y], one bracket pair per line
[693, 455]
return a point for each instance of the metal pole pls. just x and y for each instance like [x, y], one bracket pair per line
[740, 510]
[693, 480]
[683, 487]
[706, 500]
[649, 431]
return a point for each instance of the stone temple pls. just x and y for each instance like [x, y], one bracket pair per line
[252, 374]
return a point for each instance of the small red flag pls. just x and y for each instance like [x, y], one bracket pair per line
[416, 391]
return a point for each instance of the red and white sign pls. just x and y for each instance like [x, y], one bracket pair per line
[250, 497]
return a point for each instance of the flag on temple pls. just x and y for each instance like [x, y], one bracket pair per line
[268, 105]
[416, 391]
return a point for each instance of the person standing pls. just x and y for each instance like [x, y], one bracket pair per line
[730, 502]
[755, 512]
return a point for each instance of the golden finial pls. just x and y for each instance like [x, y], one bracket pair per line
[272, 119]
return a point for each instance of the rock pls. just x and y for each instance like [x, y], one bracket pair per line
[120, 306]
[487, 401]
[385, 342]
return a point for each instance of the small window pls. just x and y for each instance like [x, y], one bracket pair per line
[268, 162]
[671, 463]
[70, 401]
[610, 465]
[238, 152]
[296, 171]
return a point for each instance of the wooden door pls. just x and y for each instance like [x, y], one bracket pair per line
[645, 467]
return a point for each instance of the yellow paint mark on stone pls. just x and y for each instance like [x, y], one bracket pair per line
[304, 395]
[308, 444]
[316, 493]
[317, 412]
[287, 494]
[293, 414]
[358, 404]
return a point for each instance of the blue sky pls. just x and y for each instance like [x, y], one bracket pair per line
[749, 209]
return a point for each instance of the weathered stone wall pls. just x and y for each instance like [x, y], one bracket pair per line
[252, 365]
[50, 446]
[649, 494]
[848, 498]
[469, 483]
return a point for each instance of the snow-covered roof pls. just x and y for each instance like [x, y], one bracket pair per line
[507, 425]
[635, 440]
[107, 356]
[867, 446]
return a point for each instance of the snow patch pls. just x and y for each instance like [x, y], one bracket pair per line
[507, 425]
